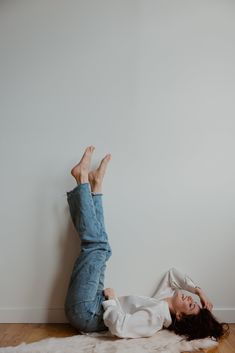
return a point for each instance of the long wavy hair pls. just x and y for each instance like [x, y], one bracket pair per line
[201, 325]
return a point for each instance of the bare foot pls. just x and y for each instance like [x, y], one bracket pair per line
[96, 176]
[80, 170]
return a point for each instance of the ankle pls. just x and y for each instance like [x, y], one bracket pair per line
[97, 189]
[81, 179]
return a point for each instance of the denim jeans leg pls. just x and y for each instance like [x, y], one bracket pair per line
[98, 204]
[83, 214]
[84, 297]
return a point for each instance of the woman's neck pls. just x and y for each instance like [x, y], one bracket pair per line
[170, 305]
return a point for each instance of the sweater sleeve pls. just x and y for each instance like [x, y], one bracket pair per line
[178, 280]
[142, 323]
[173, 279]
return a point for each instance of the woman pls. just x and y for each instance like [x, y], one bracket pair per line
[89, 307]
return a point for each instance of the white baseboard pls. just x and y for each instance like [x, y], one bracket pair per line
[57, 315]
[32, 315]
[225, 314]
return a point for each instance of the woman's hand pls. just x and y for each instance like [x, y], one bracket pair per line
[109, 293]
[206, 303]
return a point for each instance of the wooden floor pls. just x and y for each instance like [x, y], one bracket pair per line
[14, 334]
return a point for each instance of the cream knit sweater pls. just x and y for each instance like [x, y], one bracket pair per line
[140, 316]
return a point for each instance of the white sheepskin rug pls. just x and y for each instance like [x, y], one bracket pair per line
[163, 342]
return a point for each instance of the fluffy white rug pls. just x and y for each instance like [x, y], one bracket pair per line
[162, 342]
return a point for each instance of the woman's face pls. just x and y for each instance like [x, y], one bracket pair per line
[184, 304]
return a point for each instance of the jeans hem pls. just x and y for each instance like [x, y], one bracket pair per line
[77, 187]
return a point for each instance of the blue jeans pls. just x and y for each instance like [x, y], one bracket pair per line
[83, 303]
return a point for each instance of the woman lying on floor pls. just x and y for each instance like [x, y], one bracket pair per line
[89, 307]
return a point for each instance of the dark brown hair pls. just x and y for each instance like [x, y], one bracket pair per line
[201, 325]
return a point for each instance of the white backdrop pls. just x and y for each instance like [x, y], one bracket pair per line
[152, 83]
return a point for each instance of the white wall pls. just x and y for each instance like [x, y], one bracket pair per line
[151, 82]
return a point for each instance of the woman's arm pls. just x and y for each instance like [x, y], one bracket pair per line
[180, 281]
[142, 323]
[206, 303]
[177, 280]
[172, 280]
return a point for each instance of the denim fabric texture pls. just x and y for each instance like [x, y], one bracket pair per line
[83, 303]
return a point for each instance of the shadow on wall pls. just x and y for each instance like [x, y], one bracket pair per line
[69, 249]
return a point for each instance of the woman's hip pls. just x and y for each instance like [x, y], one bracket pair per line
[87, 316]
